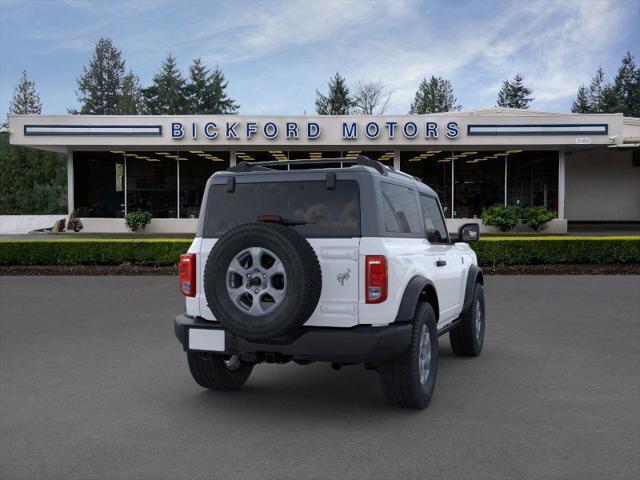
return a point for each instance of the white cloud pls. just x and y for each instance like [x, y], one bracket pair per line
[556, 45]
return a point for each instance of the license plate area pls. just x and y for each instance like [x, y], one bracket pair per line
[206, 339]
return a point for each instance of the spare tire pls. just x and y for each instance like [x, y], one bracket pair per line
[262, 280]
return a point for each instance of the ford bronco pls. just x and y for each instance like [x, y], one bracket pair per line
[348, 265]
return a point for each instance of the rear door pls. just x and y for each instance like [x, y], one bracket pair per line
[449, 269]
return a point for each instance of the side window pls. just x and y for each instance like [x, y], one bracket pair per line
[400, 209]
[433, 221]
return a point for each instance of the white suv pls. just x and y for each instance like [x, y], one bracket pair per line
[344, 265]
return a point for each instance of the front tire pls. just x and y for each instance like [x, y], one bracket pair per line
[218, 372]
[468, 337]
[409, 380]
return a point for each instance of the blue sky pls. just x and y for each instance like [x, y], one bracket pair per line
[276, 53]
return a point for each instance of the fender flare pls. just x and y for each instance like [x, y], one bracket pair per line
[474, 276]
[411, 297]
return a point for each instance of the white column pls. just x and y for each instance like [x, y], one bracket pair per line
[125, 185]
[177, 188]
[453, 182]
[70, 181]
[561, 177]
[396, 159]
[232, 158]
[506, 164]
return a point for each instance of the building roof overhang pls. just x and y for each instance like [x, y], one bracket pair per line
[478, 128]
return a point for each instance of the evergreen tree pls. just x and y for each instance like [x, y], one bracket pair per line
[206, 92]
[610, 101]
[167, 95]
[596, 91]
[581, 104]
[219, 102]
[627, 86]
[338, 101]
[514, 94]
[130, 101]
[99, 86]
[196, 89]
[31, 181]
[25, 99]
[433, 96]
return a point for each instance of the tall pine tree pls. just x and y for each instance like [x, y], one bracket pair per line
[31, 181]
[196, 88]
[433, 96]
[627, 86]
[338, 100]
[219, 102]
[167, 94]
[100, 85]
[25, 99]
[582, 103]
[514, 94]
[206, 92]
[596, 91]
[130, 101]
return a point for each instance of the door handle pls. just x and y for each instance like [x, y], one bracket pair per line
[441, 263]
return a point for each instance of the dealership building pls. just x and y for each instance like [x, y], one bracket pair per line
[586, 168]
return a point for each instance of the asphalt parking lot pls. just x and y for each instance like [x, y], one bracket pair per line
[93, 384]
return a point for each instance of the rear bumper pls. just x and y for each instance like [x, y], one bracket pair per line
[361, 344]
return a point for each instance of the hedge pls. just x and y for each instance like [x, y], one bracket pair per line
[568, 250]
[158, 252]
[92, 252]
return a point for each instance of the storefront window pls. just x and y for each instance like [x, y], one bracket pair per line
[433, 167]
[99, 184]
[152, 184]
[195, 168]
[532, 179]
[478, 182]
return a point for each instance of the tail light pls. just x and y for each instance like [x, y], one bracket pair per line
[188, 274]
[376, 278]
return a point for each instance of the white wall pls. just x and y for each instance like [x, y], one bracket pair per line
[157, 225]
[13, 224]
[602, 185]
[188, 225]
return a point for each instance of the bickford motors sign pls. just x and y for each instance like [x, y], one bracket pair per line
[310, 130]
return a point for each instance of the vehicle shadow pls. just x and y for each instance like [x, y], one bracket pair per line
[279, 391]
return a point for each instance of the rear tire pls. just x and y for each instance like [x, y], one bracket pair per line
[218, 372]
[468, 337]
[409, 380]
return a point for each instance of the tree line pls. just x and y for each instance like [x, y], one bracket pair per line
[33, 181]
[106, 88]
[435, 95]
[621, 95]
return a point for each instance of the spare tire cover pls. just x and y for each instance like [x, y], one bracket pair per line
[262, 280]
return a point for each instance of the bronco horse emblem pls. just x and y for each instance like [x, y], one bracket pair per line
[342, 277]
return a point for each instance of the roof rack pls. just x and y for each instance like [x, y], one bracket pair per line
[360, 160]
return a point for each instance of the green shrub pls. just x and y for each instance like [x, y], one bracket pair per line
[137, 220]
[536, 217]
[503, 217]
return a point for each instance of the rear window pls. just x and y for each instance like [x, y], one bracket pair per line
[400, 209]
[327, 213]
